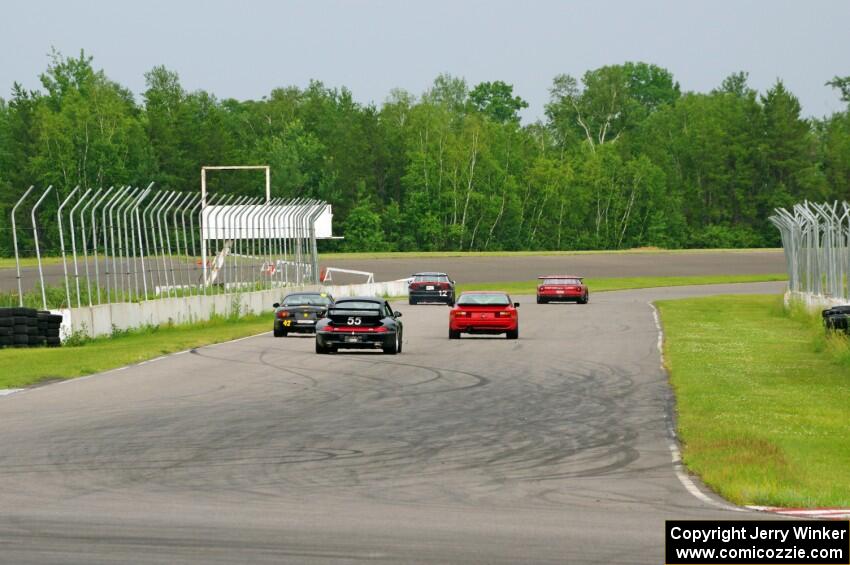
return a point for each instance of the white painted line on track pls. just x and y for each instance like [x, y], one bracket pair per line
[678, 465]
[9, 391]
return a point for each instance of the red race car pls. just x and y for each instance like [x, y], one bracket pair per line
[484, 313]
[562, 288]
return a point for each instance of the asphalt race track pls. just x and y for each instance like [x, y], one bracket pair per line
[491, 268]
[550, 449]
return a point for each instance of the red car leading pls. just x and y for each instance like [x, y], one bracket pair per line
[484, 313]
[562, 288]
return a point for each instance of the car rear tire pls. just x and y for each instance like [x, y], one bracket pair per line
[394, 347]
[584, 300]
[454, 334]
[321, 350]
[278, 332]
[512, 334]
[411, 301]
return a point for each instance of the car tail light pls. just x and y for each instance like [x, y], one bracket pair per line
[357, 329]
[506, 314]
[283, 314]
[459, 313]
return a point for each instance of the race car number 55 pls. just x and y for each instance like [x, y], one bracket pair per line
[352, 321]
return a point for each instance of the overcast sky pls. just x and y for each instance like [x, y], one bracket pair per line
[244, 49]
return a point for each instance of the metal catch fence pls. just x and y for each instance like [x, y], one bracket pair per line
[816, 241]
[128, 244]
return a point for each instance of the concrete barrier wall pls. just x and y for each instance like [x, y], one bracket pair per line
[103, 319]
[813, 302]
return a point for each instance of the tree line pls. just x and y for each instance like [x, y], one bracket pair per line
[623, 157]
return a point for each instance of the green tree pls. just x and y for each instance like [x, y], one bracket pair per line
[496, 100]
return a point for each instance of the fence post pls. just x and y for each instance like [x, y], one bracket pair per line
[85, 245]
[73, 248]
[62, 240]
[37, 250]
[15, 245]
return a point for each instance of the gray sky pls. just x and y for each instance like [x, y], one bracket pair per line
[244, 49]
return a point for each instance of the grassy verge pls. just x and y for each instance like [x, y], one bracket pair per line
[9, 262]
[763, 398]
[443, 254]
[626, 283]
[23, 367]
[28, 262]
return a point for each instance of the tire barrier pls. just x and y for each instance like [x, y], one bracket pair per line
[837, 319]
[28, 327]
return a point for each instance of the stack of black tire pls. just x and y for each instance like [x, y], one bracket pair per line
[837, 318]
[28, 327]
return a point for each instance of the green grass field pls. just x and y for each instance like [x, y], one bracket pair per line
[24, 367]
[442, 254]
[763, 400]
[626, 283]
[9, 262]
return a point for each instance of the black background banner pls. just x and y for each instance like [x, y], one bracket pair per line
[765, 542]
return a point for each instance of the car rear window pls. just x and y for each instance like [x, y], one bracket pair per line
[306, 300]
[473, 299]
[430, 278]
[357, 305]
[561, 281]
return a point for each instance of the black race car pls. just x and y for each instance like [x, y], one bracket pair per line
[431, 287]
[360, 323]
[299, 312]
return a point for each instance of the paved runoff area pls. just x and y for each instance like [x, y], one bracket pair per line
[553, 448]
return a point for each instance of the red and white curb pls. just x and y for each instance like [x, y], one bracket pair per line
[818, 513]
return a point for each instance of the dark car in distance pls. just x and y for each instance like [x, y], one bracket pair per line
[360, 323]
[299, 312]
[431, 287]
